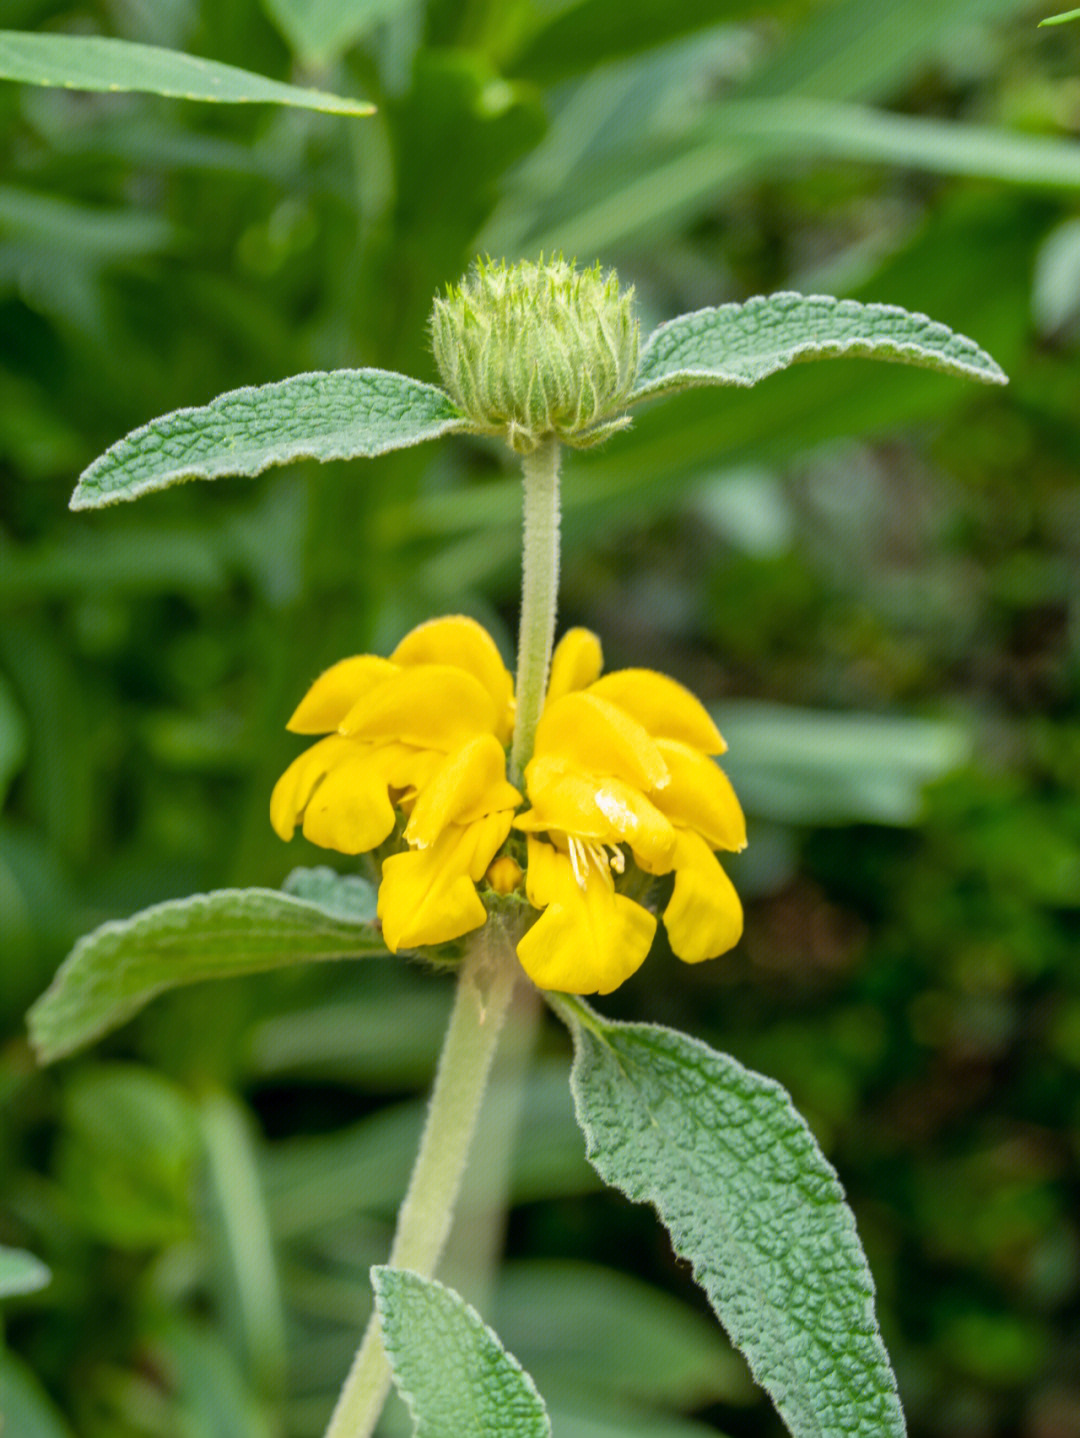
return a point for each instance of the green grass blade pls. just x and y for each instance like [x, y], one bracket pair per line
[21, 1272]
[99, 62]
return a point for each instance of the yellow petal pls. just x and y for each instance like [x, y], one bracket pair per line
[576, 663]
[428, 896]
[587, 941]
[407, 768]
[700, 797]
[704, 917]
[294, 788]
[603, 810]
[663, 706]
[590, 734]
[469, 784]
[350, 811]
[335, 692]
[431, 706]
[460, 641]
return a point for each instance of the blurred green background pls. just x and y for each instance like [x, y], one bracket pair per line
[868, 571]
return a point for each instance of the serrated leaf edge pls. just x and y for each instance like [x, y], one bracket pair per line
[988, 372]
[83, 499]
[576, 1014]
[50, 1052]
[471, 1316]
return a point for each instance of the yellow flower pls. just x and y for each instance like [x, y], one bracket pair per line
[416, 746]
[623, 762]
[421, 733]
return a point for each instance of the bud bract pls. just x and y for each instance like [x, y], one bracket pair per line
[534, 350]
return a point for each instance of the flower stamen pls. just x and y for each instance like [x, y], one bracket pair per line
[584, 852]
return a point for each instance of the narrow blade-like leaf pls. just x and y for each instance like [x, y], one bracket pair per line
[320, 31]
[98, 62]
[454, 1374]
[114, 971]
[749, 1199]
[740, 344]
[339, 414]
[1061, 19]
[21, 1272]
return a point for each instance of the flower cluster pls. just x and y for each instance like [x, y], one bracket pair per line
[622, 770]
[422, 733]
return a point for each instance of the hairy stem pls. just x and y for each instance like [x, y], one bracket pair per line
[539, 598]
[486, 983]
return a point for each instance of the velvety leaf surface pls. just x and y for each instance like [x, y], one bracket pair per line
[452, 1371]
[114, 971]
[346, 895]
[749, 1199]
[740, 344]
[97, 62]
[340, 414]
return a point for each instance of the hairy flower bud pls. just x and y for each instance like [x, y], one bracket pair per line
[531, 350]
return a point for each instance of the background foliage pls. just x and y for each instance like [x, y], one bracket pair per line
[869, 572]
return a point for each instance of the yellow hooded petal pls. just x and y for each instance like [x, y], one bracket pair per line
[700, 797]
[704, 917]
[589, 734]
[587, 941]
[350, 811]
[293, 790]
[428, 896]
[408, 769]
[662, 706]
[576, 663]
[431, 706]
[469, 784]
[336, 691]
[604, 811]
[460, 641]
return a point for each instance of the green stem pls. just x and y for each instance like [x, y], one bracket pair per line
[486, 983]
[539, 598]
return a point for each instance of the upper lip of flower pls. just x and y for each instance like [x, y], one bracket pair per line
[421, 732]
[623, 761]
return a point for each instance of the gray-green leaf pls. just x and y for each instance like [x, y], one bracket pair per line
[454, 1374]
[114, 971]
[347, 896]
[740, 344]
[97, 62]
[340, 414]
[751, 1201]
[21, 1272]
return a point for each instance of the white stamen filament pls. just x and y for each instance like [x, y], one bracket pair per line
[584, 852]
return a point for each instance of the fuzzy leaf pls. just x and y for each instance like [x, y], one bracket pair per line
[454, 1374]
[738, 1179]
[740, 344]
[21, 1272]
[97, 62]
[340, 414]
[114, 971]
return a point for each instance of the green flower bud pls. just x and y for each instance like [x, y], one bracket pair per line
[531, 350]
